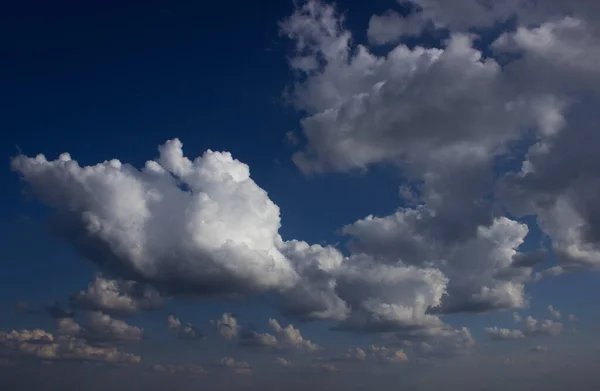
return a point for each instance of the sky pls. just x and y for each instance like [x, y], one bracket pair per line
[301, 195]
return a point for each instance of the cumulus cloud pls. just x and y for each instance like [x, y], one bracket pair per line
[187, 227]
[516, 317]
[100, 328]
[538, 349]
[531, 327]
[365, 109]
[183, 369]
[502, 334]
[283, 362]
[554, 312]
[355, 354]
[227, 326]
[182, 331]
[240, 367]
[291, 337]
[545, 327]
[43, 346]
[390, 26]
[252, 338]
[114, 297]
[383, 355]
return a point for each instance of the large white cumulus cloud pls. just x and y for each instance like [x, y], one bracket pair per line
[197, 227]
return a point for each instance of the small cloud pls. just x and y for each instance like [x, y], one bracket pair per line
[516, 317]
[325, 367]
[227, 326]
[185, 369]
[283, 362]
[538, 349]
[239, 367]
[182, 331]
[554, 312]
[385, 355]
[291, 337]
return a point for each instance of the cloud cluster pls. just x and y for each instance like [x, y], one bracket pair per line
[183, 369]
[227, 326]
[240, 367]
[40, 345]
[531, 327]
[100, 328]
[289, 336]
[116, 297]
[183, 331]
[445, 114]
[137, 222]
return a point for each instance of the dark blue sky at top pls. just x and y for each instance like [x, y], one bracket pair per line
[105, 80]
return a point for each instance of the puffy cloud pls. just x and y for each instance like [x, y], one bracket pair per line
[283, 362]
[481, 272]
[291, 337]
[538, 349]
[240, 367]
[324, 367]
[184, 369]
[465, 15]
[384, 355]
[114, 297]
[516, 317]
[545, 327]
[182, 331]
[100, 328]
[252, 338]
[44, 346]
[227, 326]
[572, 318]
[554, 312]
[355, 354]
[442, 114]
[531, 327]
[200, 227]
[444, 342]
[390, 26]
[502, 334]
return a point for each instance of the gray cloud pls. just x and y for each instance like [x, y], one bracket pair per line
[114, 297]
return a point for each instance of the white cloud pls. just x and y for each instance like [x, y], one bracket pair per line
[516, 317]
[100, 328]
[390, 26]
[183, 369]
[252, 338]
[554, 312]
[387, 356]
[531, 327]
[227, 326]
[291, 337]
[44, 346]
[240, 367]
[501, 334]
[182, 330]
[202, 241]
[115, 297]
[283, 362]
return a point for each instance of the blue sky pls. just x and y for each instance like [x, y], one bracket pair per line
[421, 195]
